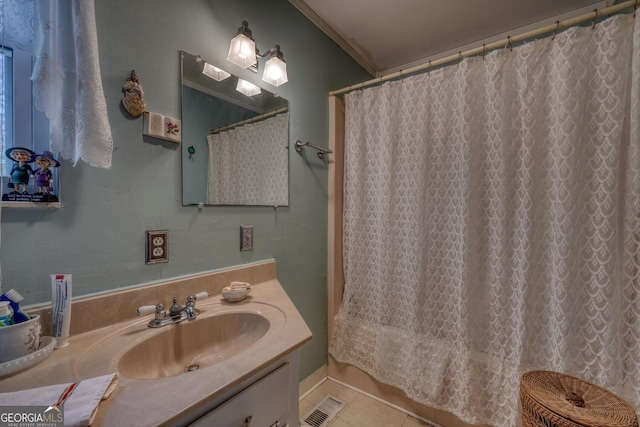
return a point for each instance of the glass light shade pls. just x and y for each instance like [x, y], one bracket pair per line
[247, 88]
[275, 71]
[215, 73]
[242, 51]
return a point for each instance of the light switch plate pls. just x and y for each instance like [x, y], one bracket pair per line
[246, 238]
[157, 246]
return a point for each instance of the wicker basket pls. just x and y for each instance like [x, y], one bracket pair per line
[553, 399]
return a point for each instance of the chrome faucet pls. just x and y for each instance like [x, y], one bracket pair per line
[176, 314]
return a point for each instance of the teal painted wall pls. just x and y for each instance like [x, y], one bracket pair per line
[99, 234]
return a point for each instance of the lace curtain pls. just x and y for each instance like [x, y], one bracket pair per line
[67, 85]
[16, 23]
[491, 223]
[248, 165]
[67, 81]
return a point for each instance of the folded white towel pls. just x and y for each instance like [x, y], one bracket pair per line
[80, 399]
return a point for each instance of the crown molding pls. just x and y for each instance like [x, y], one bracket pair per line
[311, 15]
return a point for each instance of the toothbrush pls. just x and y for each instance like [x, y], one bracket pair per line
[14, 298]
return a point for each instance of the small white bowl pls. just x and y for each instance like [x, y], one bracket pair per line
[20, 339]
[237, 294]
[23, 363]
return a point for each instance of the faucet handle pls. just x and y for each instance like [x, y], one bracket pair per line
[190, 308]
[191, 301]
[201, 295]
[145, 309]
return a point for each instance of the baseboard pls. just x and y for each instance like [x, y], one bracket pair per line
[312, 382]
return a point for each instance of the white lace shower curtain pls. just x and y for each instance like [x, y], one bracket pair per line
[492, 223]
[248, 165]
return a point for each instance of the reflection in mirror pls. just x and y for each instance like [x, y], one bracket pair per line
[234, 146]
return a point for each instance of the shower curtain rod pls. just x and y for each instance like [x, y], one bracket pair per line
[508, 42]
[251, 120]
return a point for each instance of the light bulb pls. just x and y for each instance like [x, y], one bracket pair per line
[275, 71]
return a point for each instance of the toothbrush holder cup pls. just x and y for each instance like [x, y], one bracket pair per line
[21, 339]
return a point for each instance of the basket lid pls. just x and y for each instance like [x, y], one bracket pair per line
[578, 400]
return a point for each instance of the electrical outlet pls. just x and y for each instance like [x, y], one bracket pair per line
[157, 246]
[246, 237]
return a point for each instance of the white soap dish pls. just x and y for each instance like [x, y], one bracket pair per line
[236, 291]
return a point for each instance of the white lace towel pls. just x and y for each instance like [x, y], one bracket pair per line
[80, 399]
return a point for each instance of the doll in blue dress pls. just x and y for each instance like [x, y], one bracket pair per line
[21, 170]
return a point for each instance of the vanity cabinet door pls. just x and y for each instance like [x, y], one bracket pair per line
[262, 404]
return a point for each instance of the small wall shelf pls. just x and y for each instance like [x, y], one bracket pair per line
[31, 205]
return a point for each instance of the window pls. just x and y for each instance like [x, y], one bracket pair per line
[6, 104]
[21, 124]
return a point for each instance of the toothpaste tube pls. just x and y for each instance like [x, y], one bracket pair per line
[61, 307]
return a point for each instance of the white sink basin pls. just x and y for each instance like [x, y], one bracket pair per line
[138, 352]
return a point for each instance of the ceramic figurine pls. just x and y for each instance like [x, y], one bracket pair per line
[21, 170]
[133, 93]
[44, 175]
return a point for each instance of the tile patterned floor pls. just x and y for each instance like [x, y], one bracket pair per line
[359, 411]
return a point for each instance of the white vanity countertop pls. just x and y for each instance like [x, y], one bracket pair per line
[153, 402]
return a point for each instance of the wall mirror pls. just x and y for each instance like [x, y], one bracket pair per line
[234, 144]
